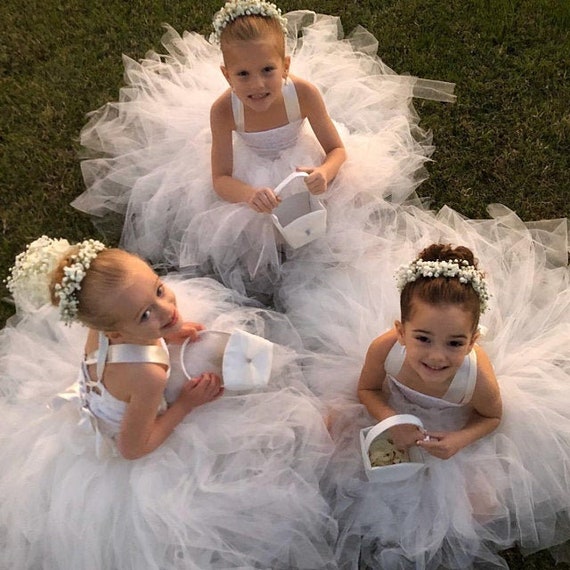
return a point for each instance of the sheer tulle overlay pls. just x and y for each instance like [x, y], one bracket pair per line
[235, 486]
[151, 162]
[510, 488]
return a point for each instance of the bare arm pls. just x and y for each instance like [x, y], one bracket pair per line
[374, 398]
[142, 430]
[313, 107]
[373, 375]
[486, 416]
[227, 187]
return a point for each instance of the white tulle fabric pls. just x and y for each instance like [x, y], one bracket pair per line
[235, 486]
[512, 487]
[150, 152]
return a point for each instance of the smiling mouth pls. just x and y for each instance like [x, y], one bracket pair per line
[434, 368]
[172, 321]
[259, 96]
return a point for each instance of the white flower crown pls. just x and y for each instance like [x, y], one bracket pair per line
[30, 276]
[455, 268]
[238, 8]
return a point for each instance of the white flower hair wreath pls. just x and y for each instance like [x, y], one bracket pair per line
[455, 269]
[30, 276]
[238, 8]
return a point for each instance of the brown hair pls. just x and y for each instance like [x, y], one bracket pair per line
[253, 27]
[106, 273]
[442, 290]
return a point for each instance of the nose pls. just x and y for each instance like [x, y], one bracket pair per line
[436, 355]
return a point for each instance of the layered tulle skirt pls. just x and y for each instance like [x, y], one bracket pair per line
[237, 485]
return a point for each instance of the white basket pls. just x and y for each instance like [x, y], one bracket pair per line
[243, 360]
[301, 217]
[399, 471]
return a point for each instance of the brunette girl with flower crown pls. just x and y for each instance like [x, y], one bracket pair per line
[216, 479]
[489, 444]
[199, 194]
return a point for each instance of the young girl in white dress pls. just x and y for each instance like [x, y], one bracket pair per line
[495, 441]
[198, 195]
[108, 474]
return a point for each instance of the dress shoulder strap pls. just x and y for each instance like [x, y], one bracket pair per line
[291, 101]
[238, 112]
[126, 353]
[462, 386]
[395, 359]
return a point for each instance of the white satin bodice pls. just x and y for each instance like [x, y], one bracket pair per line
[449, 412]
[272, 142]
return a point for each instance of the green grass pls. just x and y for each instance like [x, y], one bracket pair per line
[507, 138]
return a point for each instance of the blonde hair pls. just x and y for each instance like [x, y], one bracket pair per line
[106, 274]
[253, 27]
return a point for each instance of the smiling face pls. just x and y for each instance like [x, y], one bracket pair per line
[255, 70]
[437, 339]
[144, 307]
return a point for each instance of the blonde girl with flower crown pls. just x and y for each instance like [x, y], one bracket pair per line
[130, 466]
[266, 109]
[188, 165]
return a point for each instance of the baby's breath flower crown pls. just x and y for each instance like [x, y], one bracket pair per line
[455, 269]
[30, 276]
[238, 8]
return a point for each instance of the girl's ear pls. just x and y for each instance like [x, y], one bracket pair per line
[474, 338]
[286, 66]
[114, 335]
[226, 74]
[398, 325]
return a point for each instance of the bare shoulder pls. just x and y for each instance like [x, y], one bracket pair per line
[221, 109]
[487, 395]
[143, 379]
[381, 345]
[307, 92]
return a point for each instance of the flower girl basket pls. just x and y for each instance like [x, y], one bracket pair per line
[378, 435]
[243, 360]
[301, 217]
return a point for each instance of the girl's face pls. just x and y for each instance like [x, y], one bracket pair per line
[437, 339]
[255, 71]
[145, 308]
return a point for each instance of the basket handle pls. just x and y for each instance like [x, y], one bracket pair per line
[392, 421]
[185, 344]
[286, 181]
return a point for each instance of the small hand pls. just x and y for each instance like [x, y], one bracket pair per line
[442, 444]
[201, 390]
[263, 200]
[187, 330]
[316, 182]
[405, 436]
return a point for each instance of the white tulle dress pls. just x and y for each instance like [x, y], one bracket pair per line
[511, 488]
[149, 164]
[237, 485]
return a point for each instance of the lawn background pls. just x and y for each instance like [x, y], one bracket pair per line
[506, 139]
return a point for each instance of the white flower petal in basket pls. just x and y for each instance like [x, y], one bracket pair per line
[301, 217]
[243, 360]
[398, 471]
